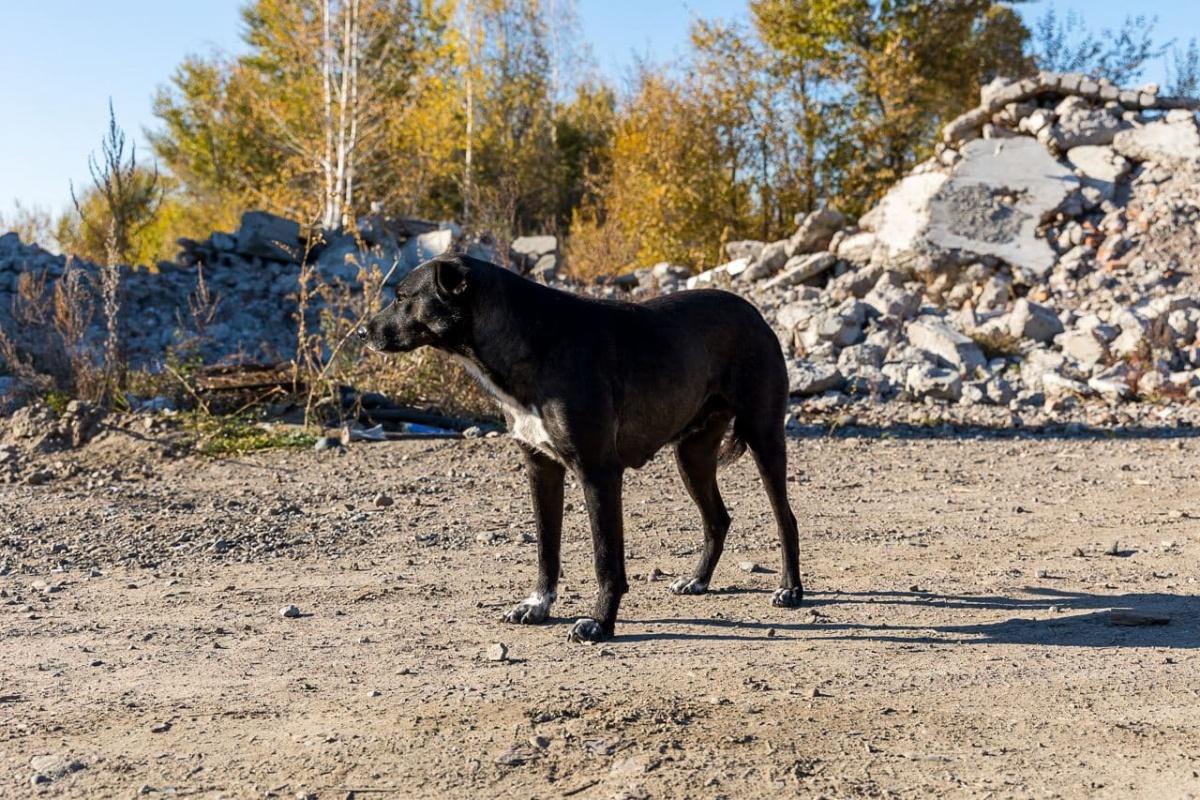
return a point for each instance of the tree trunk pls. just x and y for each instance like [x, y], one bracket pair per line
[330, 208]
[468, 189]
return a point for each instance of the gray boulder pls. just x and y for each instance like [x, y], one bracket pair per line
[267, 236]
[745, 248]
[939, 383]
[1101, 167]
[808, 377]
[1080, 124]
[1170, 143]
[893, 302]
[1033, 321]
[1084, 346]
[817, 230]
[837, 328]
[770, 260]
[934, 335]
[526, 250]
[419, 249]
[857, 248]
[800, 268]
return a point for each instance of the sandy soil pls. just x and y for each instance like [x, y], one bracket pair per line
[957, 639]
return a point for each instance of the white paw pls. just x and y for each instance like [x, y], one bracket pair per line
[689, 586]
[532, 610]
[788, 598]
[585, 630]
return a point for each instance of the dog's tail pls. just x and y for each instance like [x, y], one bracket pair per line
[732, 447]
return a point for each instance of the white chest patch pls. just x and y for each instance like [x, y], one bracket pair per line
[524, 422]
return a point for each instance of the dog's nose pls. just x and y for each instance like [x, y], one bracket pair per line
[361, 333]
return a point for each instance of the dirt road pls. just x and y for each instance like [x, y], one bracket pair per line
[958, 638]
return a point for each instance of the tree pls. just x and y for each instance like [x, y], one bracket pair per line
[33, 224]
[887, 76]
[306, 121]
[1184, 71]
[1067, 44]
[510, 182]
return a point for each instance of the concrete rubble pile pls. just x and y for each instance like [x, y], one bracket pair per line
[253, 281]
[1047, 254]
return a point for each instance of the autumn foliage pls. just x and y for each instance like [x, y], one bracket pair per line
[487, 112]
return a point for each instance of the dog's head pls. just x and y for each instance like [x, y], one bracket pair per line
[432, 307]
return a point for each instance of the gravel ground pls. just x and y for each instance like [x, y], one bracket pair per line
[958, 639]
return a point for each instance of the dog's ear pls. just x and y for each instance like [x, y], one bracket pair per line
[452, 277]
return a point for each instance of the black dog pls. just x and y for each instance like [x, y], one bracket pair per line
[599, 386]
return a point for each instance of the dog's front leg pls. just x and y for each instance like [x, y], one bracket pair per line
[602, 492]
[546, 486]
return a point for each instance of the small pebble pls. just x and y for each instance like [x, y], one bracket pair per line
[383, 501]
[289, 611]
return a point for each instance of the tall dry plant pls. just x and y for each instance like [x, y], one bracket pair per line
[47, 352]
[130, 200]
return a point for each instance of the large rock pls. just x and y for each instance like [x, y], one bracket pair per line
[744, 248]
[770, 260]
[940, 383]
[1033, 321]
[934, 335]
[1100, 166]
[1085, 346]
[425, 246]
[857, 248]
[893, 302]
[526, 250]
[999, 194]
[1171, 143]
[720, 273]
[267, 236]
[800, 268]
[808, 377]
[817, 230]
[1080, 124]
[836, 327]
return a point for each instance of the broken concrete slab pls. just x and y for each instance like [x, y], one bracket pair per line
[900, 219]
[801, 268]
[1000, 192]
[1162, 142]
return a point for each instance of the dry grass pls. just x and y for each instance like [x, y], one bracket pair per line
[46, 350]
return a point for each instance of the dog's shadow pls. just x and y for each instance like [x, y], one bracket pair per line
[1142, 620]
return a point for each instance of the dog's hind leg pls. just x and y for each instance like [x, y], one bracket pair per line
[546, 485]
[696, 457]
[768, 443]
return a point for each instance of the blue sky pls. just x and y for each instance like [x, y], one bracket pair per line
[62, 59]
